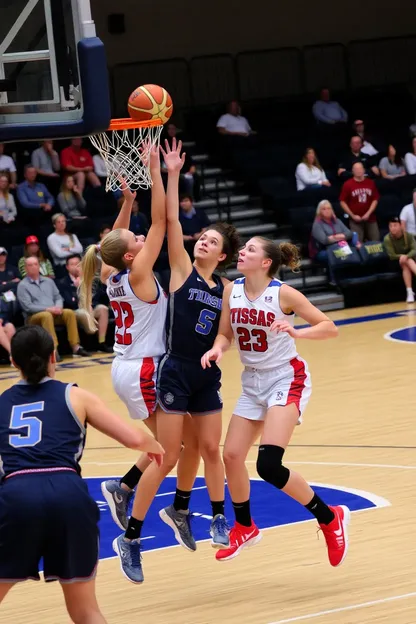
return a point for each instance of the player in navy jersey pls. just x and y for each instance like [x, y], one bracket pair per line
[258, 311]
[194, 308]
[45, 508]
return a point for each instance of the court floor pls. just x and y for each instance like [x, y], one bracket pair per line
[357, 443]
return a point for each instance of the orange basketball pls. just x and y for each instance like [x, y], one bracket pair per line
[150, 102]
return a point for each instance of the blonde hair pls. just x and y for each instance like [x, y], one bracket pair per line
[111, 251]
[55, 218]
[321, 205]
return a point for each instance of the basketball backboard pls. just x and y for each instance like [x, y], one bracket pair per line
[53, 71]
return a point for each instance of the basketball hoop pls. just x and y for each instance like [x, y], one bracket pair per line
[125, 149]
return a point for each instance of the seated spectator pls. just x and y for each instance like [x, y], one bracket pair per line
[9, 279]
[70, 200]
[100, 168]
[42, 305]
[410, 159]
[401, 249]
[309, 172]
[77, 161]
[391, 166]
[138, 222]
[233, 123]
[359, 198]
[68, 287]
[358, 129]
[327, 229]
[356, 155]
[408, 216]
[34, 196]
[32, 248]
[61, 244]
[327, 111]
[105, 229]
[193, 220]
[9, 275]
[7, 166]
[46, 162]
[8, 210]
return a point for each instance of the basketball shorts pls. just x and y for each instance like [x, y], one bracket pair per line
[51, 517]
[183, 386]
[263, 389]
[135, 383]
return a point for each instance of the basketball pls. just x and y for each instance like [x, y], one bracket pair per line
[150, 102]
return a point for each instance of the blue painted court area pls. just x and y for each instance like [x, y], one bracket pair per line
[406, 334]
[270, 508]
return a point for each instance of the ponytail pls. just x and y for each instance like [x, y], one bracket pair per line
[289, 255]
[283, 254]
[89, 265]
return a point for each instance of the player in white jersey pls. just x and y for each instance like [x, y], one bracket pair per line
[258, 311]
[139, 305]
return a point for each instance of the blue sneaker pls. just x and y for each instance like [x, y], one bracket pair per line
[180, 523]
[130, 558]
[118, 501]
[220, 532]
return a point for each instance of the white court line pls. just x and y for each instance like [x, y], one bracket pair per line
[361, 605]
[314, 463]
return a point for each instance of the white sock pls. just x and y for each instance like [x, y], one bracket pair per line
[409, 291]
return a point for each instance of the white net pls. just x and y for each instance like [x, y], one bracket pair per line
[126, 155]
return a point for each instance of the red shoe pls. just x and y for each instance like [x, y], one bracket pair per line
[336, 535]
[240, 537]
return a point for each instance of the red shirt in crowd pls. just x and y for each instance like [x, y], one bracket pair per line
[76, 157]
[359, 196]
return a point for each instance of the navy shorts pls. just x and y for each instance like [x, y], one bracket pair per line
[183, 386]
[49, 516]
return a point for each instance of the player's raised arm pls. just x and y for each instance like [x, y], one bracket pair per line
[225, 332]
[179, 260]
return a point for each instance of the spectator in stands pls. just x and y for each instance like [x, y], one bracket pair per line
[408, 216]
[70, 200]
[46, 162]
[358, 129]
[68, 287]
[359, 198]
[309, 173]
[9, 279]
[410, 159]
[7, 165]
[100, 168]
[356, 155]
[189, 182]
[401, 248]
[61, 244]
[77, 161]
[105, 229]
[193, 220]
[233, 123]
[138, 222]
[43, 305]
[327, 229]
[34, 196]
[8, 210]
[327, 111]
[32, 248]
[391, 166]
[9, 275]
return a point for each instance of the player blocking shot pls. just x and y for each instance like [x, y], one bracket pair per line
[45, 508]
[258, 312]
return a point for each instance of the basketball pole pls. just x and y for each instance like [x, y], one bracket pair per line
[87, 25]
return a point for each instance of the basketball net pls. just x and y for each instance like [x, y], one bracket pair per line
[125, 149]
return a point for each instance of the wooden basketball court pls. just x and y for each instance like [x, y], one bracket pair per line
[359, 433]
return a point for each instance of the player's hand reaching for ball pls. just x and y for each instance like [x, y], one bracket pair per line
[213, 355]
[284, 326]
[172, 156]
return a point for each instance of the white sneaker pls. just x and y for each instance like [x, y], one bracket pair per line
[410, 297]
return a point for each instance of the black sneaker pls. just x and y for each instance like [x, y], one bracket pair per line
[104, 348]
[80, 352]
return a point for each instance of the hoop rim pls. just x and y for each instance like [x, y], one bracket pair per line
[127, 123]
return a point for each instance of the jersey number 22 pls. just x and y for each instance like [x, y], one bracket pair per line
[124, 319]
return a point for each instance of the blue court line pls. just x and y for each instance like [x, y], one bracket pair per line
[355, 320]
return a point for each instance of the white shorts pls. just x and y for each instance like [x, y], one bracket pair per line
[263, 389]
[135, 383]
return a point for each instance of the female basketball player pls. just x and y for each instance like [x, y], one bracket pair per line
[139, 306]
[259, 311]
[45, 508]
[193, 316]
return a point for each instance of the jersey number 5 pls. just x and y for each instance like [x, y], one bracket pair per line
[256, 340]
[204, 325]
[124, 319]
[32, 425]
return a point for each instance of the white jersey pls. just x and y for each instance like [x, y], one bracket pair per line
[140, 326]
[259, 348]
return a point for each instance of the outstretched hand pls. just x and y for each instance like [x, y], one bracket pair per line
[172, 156]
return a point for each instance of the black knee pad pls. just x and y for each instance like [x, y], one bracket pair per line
[269, 465]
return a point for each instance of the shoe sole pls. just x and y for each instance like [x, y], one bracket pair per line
[251, 542]
[112, 506]
[218, 546]
[117, 551]
[168, 520]
[345, 523]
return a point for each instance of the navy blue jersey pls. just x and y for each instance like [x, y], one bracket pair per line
[193, 317]
[38, 428]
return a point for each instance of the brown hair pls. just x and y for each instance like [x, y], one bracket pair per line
[4, 174]
[230, 242]
[283, 254]
[316, 162]
[39, 254]
[111, 249]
